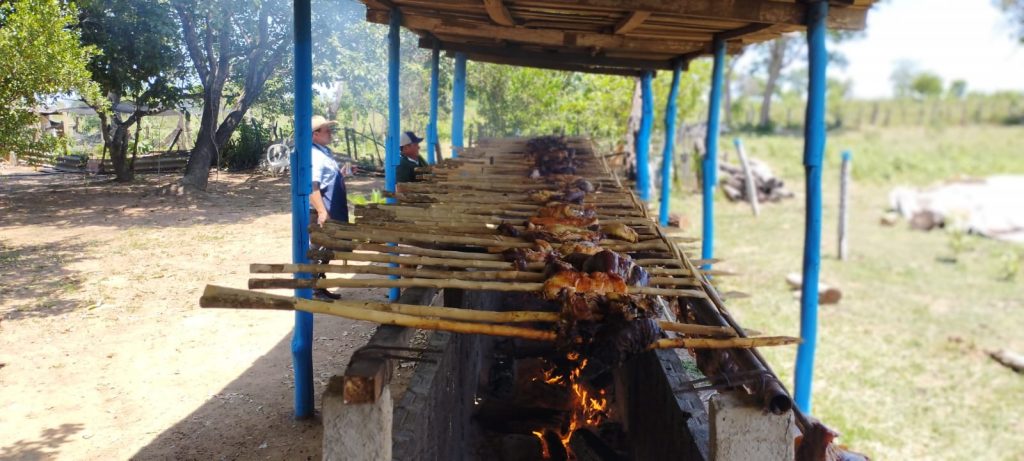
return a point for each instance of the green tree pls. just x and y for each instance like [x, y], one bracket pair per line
[43, 57]
[243, 43]
[926, 85]
[902, 78]
[140, 60]
[958, 89]
[1015, 15]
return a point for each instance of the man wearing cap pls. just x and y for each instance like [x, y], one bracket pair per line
[328, 199]
[411, 158]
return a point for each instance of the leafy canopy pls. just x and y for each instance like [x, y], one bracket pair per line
[43, 57]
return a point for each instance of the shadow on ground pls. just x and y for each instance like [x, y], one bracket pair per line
[150, 201]
[37, 275]
[47, 446]
[252, 416]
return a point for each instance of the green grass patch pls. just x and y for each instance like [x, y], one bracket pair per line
[901, 368]
[912, 155]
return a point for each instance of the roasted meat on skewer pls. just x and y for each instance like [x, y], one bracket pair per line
[620, 231]
[574, 222]
[570, 282]
[587, 248]
[558, 233]
[566, 210]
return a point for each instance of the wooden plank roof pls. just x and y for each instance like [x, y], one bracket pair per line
[602, 36]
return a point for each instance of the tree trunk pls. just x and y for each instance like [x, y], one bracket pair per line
[633, 128]
[197, 171]
[727, 90]
[119, 153]
[775, 63]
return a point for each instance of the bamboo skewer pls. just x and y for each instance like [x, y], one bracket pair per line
[433, 318]
[507, 275]
[215, 296]
[383, 235]
[445, 283]
[510, 275]
[319, 239]
[452, 259]
[730, 343]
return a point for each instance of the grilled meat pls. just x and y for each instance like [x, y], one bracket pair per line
[574, 222]
[570, 282]
[618, 264]
[566, 210]
[620, 231]
[506, 228]
[587, 248]
[558, 233]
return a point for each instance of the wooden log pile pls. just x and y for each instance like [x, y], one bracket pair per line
[769, 188]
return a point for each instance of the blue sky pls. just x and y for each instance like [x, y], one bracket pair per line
[958, 39]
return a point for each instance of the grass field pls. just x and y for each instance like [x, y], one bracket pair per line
[901, 368]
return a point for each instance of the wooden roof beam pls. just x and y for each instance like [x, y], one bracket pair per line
[552, 65]
[546, 37]
[557, 56]
[631, 21]
[498, 13]
[743, 31]
[733, 10]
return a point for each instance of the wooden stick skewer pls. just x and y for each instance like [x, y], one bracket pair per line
[433, 318]
[504, 275]
[445, 283]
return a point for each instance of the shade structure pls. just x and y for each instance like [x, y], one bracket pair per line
[603, 36]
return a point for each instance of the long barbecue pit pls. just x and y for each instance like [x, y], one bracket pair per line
[583, 288]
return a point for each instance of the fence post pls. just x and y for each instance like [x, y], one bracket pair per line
[748, 176]
[844, 209]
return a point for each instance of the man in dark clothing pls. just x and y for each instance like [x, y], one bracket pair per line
[411, 158]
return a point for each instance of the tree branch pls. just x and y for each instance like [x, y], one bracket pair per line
[192, 41]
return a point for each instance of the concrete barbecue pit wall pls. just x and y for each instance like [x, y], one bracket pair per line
[433, 418]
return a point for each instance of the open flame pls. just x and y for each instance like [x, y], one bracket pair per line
[588, 409]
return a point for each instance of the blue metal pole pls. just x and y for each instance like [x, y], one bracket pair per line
[391, 151]
[670, 141]
[709, 167]
[814, 151]
[458, 102]
[435, 68]
[643, 141]
[302, 184]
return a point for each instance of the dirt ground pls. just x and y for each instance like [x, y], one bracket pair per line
[104, 351]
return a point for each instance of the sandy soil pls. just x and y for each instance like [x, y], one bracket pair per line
[104, 351]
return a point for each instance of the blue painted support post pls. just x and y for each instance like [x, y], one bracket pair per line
[302, 184]
[814, 151]
[709, 167]
[391, 150]
[670, 141]
[435, 68]
[643, 139]
[458, 102]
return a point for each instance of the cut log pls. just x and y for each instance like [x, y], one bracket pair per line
[827, 294]
[1010, 359]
